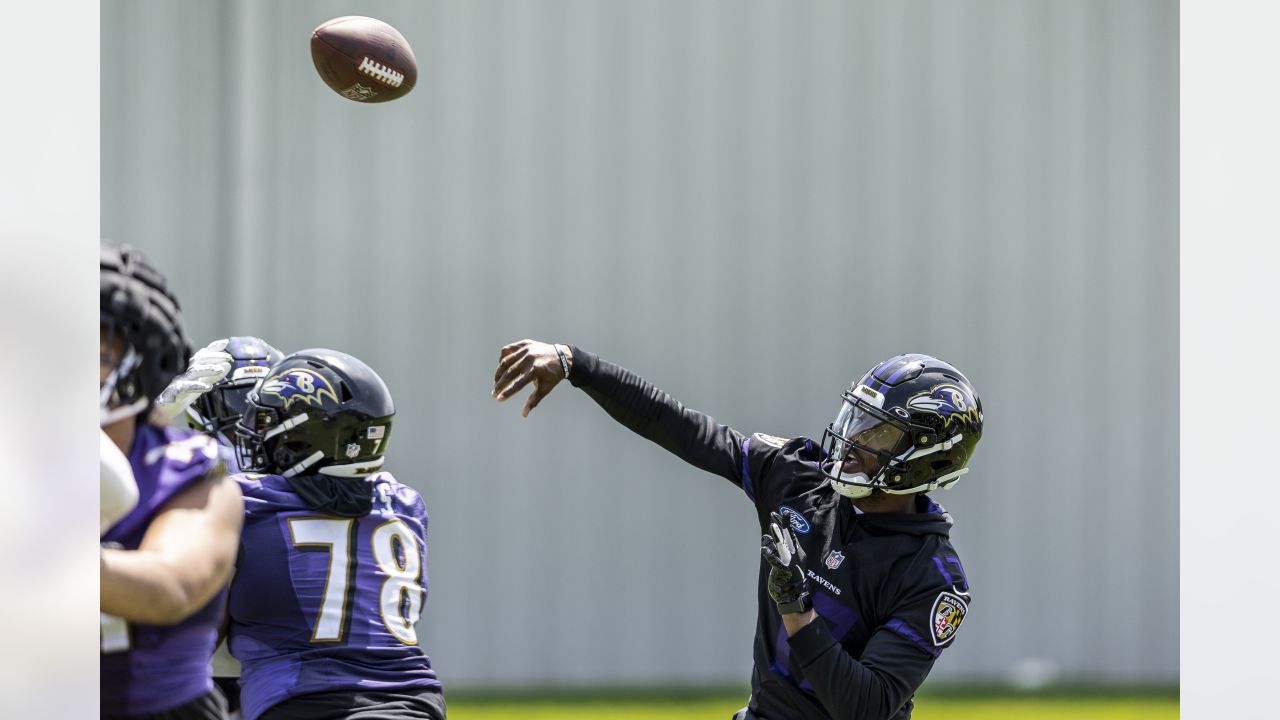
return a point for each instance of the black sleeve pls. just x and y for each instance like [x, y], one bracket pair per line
[874, 687]
[651, 413]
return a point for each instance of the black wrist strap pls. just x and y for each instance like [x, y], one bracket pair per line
[563, 363]
[804, 603]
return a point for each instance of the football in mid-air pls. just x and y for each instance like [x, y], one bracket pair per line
[363, 59]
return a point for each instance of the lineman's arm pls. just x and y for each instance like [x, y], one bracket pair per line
[186, 556]
[118, 490]
[692, 436]
[876, 686]
[207, 368]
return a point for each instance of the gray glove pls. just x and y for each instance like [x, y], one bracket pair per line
[208, 366]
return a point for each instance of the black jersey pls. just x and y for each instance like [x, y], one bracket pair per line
[889, 588]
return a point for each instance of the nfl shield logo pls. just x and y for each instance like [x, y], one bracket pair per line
[359, 92]
[834, 559]
[353, 450]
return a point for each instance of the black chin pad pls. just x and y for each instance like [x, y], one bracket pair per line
[344, 497]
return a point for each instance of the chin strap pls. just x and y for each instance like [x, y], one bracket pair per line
[916, 453]
[301, 466]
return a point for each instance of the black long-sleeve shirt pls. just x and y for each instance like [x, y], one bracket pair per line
[889, 588]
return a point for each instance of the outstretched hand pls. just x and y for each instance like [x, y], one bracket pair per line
[526, 361]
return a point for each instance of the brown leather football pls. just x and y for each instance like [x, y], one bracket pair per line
[363, 59]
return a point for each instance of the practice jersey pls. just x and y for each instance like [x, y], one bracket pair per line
[889, 589]
[150, 668]
[322, 603]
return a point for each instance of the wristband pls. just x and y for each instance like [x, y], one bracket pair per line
[804, 603]
[563, 363]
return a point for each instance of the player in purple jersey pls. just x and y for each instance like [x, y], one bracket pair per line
[165, 564]
[211, 393]
[332, 573]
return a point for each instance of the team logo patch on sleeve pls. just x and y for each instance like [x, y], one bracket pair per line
[771, 440]
[948, 612]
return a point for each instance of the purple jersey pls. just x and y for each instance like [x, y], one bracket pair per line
[322, 603]
[152, 668]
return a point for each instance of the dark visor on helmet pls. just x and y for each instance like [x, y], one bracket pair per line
[234, 397]
[220, 408]
[867, 427]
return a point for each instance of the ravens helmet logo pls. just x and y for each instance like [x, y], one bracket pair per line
[311, 388]
[950, 402]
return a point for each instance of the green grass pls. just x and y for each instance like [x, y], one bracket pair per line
[1156, 707]
[1047, 709]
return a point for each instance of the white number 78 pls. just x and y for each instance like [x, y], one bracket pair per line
[399, 613]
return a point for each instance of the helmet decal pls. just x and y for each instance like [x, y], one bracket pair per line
[869, 395]
[951, 402]
[297, 384]
[249, 371]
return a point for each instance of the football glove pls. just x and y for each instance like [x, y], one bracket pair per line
[787, 583]
[208, 366]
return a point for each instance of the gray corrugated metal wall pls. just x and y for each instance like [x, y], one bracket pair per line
[748, 203]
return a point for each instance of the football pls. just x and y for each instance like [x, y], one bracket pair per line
[363, 59]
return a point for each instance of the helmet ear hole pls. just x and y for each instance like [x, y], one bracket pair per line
[938, 465]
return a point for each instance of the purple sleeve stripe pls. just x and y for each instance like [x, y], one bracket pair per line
[905, 631]
[937, 562]
[746, 470]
